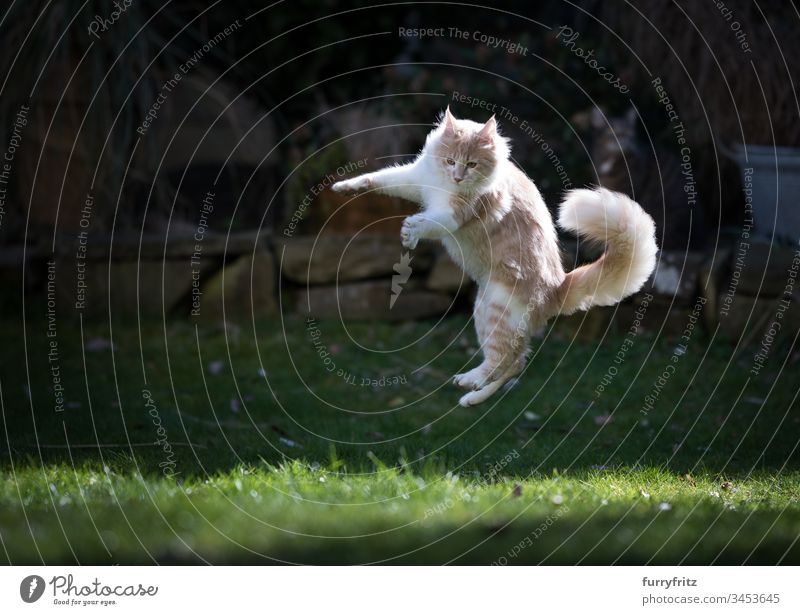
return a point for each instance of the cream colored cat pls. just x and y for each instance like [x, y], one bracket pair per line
[495, 225]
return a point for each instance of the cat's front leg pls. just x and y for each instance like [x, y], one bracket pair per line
[438, 220]
[426, 226]
[402, 181]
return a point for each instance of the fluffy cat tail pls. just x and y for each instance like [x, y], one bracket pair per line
[630, 257]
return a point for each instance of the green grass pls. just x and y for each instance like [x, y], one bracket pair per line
[298, 464]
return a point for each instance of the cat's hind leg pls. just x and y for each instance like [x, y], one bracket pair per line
[473, 378]
[502, 325]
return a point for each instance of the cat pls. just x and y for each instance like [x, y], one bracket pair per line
[494, 224]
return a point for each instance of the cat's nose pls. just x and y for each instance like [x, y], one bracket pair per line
[457, 179]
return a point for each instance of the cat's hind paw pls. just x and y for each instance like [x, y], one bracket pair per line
[473, 398]
[468, 400]
[473, 379]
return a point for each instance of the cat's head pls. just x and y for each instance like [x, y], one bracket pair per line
[466, 153]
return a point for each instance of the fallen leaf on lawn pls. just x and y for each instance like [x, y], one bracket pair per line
[397, 401]
[531, 416]
[603, 419]
[727, 485]
[665, 506]
[517, 492]
[644, 494]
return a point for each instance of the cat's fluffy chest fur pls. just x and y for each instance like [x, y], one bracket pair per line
[494, 224]
[464, 246]
[508, 234]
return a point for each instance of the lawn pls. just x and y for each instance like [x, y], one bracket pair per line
[290, 442]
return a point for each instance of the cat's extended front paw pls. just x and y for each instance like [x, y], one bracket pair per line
[352, 185]
[411, 232]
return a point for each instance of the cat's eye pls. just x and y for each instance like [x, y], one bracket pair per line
[472, 164]
[450, 161]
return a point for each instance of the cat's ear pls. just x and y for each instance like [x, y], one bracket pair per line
[449, 123]
[489, 131]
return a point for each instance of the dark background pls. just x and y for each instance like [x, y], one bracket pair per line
[300, 89]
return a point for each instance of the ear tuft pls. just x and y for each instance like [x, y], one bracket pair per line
[449, 123]
[489, 130]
